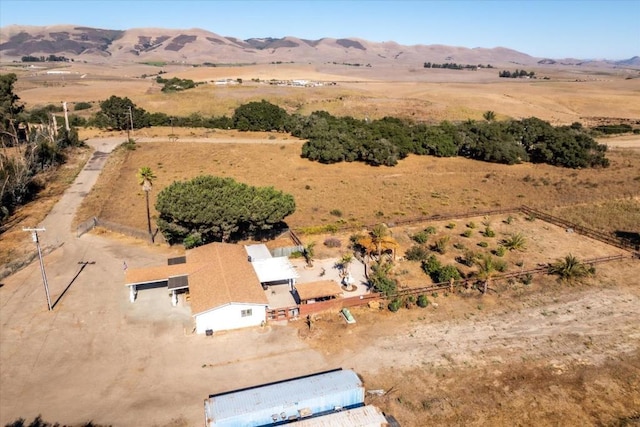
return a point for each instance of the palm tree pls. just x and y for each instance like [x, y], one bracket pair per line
[486, 270]
[378, 234]
[145, 179]
[569, 268]
[489, 116]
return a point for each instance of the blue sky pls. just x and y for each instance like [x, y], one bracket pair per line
[587, 29]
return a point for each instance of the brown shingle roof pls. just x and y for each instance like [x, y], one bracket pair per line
[324, 288]
[227, 277]
[134, 276]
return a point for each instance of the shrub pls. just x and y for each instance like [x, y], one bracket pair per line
[467, 233]
[526, 279]
[509, 220]
[446, 273]
[468, 258]
[471, 225]
[441, 245]
[336, 212]
[332, 242]
[514, 242]
[451, 225]
[420, 237]
[423, 301]
[500, 265]
[192, 240]
[483, 244]
[500, 251]
[488, 232]
[430, 230]
[459, 246]
[81, 106]
[416, 253]
[395, 305]
[431, 265]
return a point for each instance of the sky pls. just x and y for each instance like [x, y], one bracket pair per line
[585, 29]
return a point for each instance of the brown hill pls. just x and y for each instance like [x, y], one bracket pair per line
[196, 46]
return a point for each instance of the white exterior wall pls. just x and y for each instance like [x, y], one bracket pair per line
[230, 317]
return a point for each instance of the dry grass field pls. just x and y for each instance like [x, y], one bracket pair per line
[547, 353]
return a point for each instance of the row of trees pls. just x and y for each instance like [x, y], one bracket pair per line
[517, 73]
[385, 141]
[333, 139]
[454, 66]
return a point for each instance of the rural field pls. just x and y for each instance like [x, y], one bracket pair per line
[540, 353]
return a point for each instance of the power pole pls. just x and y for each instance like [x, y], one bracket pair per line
[131, 120]
[66, 116]
[34, 236]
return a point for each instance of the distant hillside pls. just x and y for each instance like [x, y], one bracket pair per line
[196, 46]
[200, 46]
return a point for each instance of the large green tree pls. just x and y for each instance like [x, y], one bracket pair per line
[209, 208]
[121, 114]
[260, 116]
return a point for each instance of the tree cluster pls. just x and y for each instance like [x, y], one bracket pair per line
[175, 84]
[454, 66]
[50, 58]
[517, 73]
[209, 208]
[385, 141]
[260, 116]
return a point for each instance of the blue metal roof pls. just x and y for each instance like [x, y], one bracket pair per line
[310, 395]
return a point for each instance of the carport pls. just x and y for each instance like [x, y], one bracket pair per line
[174, 277]
[308, 293]
[274, 271]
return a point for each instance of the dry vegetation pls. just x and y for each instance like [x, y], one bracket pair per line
[571, 381]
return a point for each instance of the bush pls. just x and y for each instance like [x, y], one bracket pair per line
[416, 253]
[336, 212]
[420, 237]
[526, 279]
[423, 301]
[430, 230]
[488, 232]
[441, 245]
[332, 242]
[82, 106]
[500, 251]
[472, 225]
[467, 233]
[483, 244]
[451, 225]
[395, 305]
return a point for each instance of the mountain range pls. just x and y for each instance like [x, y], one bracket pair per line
[197, 46]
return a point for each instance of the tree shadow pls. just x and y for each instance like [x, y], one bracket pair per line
[83, 265]
[631, 237]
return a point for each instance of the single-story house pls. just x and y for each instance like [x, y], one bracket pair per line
[225, 283]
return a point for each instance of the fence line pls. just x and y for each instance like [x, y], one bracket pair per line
[594, 234]
[88, 225]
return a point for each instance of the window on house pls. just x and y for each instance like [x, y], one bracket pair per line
[246, 313]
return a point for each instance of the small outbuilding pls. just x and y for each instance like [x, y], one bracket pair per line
[285, 401]
[308, 293]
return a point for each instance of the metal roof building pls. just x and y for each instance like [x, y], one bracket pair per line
[364, 416]
[285, 401]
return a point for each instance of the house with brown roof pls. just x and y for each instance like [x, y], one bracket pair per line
[225, 283]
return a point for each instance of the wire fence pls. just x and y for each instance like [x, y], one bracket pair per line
[88, 225]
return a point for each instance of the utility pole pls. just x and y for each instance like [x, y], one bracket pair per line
[66, 116]
[131, 120]
[34, 236]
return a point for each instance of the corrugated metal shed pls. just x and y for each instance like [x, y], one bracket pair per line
[285, 400]
[364, 416]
